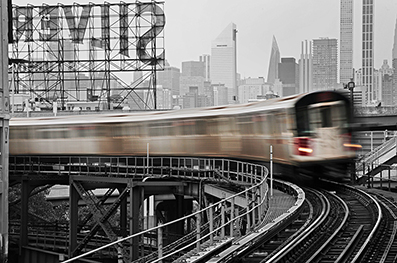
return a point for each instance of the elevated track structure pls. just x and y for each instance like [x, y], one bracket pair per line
[165, 189]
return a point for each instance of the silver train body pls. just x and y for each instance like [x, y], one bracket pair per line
[306, 131]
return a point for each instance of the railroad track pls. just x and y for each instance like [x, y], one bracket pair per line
[287, 242]
[383, 248]
[340, 225]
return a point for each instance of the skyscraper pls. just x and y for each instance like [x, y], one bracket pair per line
[385, 84]
[207, 60]
[325, 63]
[272, 74]
[169, 78]
[305, 68]
[193, 69]
[224, 61]
[288, 73]
[369, 94]
[346, 41]
[394, 65]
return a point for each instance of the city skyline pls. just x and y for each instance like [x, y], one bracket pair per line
[191, 26]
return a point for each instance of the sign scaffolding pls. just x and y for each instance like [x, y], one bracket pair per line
[105, 53]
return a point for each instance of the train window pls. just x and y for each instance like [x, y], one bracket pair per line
[245, 125]
[320, 117]
[134, 130]
[302, 122]
[315, 119]
[19, 133]
[118, 131]
[188, 128]
[290, 121]
[224, 126]
[282, 121]
[274, 123]
[260, 123]
[85, 131]
[326, 116]
[212, 127]
[59, 133]
[101, 131]
[201, 127]
[159, 129]
[339, 115]
[183, 127]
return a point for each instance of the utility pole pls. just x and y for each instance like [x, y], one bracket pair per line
[351, 86]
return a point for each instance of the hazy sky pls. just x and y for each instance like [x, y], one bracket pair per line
[192, 25]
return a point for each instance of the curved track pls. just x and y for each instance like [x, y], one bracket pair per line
[337, 225]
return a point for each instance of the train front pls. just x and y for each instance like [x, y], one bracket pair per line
[322, 144]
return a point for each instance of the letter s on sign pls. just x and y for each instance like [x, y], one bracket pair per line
[151, 34]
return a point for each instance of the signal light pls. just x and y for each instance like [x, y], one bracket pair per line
[303, 146]
[352, 146]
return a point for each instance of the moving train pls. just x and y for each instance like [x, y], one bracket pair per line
[307, 132]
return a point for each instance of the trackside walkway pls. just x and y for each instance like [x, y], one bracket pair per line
[280, 206]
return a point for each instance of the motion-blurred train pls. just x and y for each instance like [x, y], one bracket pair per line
[308, 132]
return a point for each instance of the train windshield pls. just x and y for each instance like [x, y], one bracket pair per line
[322, 115]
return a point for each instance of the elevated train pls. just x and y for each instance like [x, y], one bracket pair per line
[308, 132]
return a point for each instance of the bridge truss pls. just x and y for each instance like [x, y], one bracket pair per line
[108, 53]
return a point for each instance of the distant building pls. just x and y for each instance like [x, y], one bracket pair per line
[394, 65]
[346, 41]
[220, 94]
[386, 85]
[305, 68]
[368, 52]
[164, 98]
[250, 89]
[288, 74]
[194, 100]
[272, 74]
[206, 59]
[186, 82]
[193, 69]
[169, 78]
[224, 62]
[325, 64]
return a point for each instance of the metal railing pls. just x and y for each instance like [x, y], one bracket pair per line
[225, 220]
[374, 156]
[133, 167]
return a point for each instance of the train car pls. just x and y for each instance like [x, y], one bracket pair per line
[308, 132]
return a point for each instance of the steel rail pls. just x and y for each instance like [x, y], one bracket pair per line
[336, 232]
[326, 208]
[367, 241]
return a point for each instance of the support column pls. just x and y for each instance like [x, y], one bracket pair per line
[26, 189]
[135, 202]
[4, 128]
[123, 215]
[180, 213]
[73, 221]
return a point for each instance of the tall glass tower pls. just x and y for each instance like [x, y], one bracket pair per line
[369, 94]
[224, 61]
[272, 74]
[325, 63]
[394, 65]
[346, 41]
